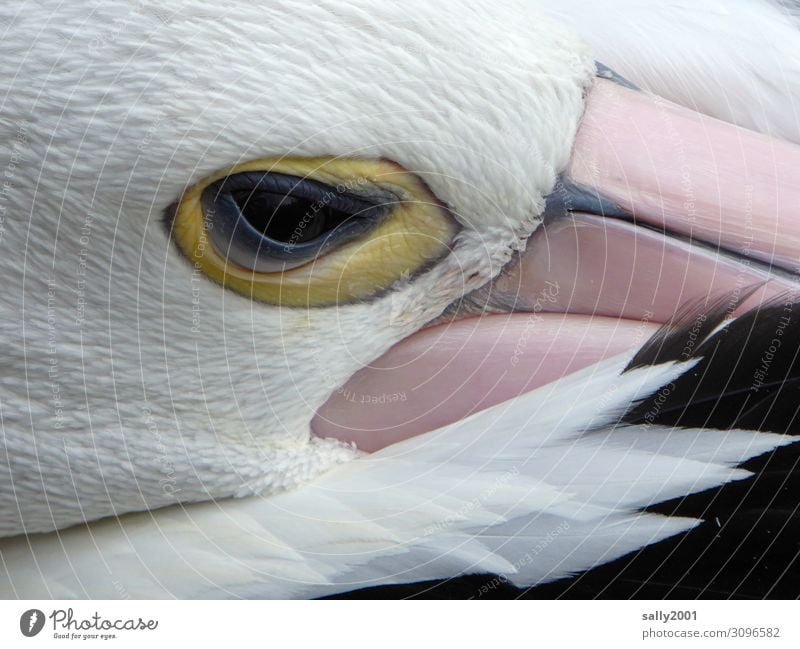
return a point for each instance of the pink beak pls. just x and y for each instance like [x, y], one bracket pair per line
[660, 207]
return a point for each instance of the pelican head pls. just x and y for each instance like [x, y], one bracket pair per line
[158, 365]
[214, 216]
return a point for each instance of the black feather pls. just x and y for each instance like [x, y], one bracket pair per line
[747, 375]
[689, 327]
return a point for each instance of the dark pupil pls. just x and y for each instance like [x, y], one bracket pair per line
[287, 218]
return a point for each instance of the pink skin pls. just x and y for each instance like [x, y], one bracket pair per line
[670, 167]
[613, 268]
[444, 373]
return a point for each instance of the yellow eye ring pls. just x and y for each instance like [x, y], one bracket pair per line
[416, 230]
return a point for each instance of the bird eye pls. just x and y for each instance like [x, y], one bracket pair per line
[271, 222]
[311, 231]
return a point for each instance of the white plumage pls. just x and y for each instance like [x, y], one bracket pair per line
[736, 60]
[533, 489]
[523, 490]
[112, 133]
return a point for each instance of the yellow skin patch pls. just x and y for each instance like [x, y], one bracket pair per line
[418, 230]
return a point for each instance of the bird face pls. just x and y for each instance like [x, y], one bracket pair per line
[144, 350]
[222, 213]
[659, 210]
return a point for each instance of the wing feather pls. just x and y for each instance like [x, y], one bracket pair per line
[533, 489]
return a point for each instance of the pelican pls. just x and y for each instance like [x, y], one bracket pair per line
[301, 298]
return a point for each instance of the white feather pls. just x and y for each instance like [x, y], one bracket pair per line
[738, 60]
